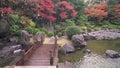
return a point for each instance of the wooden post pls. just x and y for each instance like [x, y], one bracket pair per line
[55, 37]
[23, 52]
[51, 58]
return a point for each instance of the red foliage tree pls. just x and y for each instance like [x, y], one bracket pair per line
[46, 9]
[98, 11]
[101, 6]
[5, 10]
[117, 12]
[63, 15]
[58, 11]
[65, 10]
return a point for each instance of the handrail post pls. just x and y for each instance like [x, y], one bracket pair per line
[23, 52]
[51, 58]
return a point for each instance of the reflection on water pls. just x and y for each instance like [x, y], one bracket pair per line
[97, 59]
[101, 46]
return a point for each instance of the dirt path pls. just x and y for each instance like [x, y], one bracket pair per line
[61, 40]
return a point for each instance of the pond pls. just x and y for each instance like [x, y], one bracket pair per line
[97, 59]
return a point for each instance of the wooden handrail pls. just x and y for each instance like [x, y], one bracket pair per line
[26, 55]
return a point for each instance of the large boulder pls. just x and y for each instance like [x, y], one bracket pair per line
[6, 52]
[25, 40]
[112, 54]
[102, 34]
[39, 38]
[67, 48]
[78, 41]
[25, 37]
[4, 26]
[13, 39]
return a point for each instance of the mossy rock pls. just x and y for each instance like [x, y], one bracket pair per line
[4, 26]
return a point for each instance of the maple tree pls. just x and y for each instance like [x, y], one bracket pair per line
[117, 11]
[101, 6]
[21, 7]
[55, 12]
[5, 10]
[65, 10]
[46, 9]
[97, 11]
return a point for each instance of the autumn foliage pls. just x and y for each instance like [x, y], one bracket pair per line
[51, 11]
[6, 10]
[46, 9]
[66, 10]
[101, 6]
[98, 11]
[117, 11]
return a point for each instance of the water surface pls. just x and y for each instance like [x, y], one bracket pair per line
[97, 59]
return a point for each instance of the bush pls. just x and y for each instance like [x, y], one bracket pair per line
[43, 30]
[21, 20]
[32, 30]
[82, 20]
[58, 28]
[115, 22]
[59, 34]
[72, 30]
[96, 28]
[89, 29]
[105, 23]
[50, 34]
[32, 23]
[44, 34]
[14, 30]
[69, 22]
[104, 26]
[114, 27]
[62, 27]
[15, 19]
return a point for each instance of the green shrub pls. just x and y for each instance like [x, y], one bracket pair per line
[50, 34]
[72, 30]
[58, 28]
[44, 34]
[82, 21]
[89, 29]
[59, 34]
[114, 27]
[16, 19]
[82, 29]
[62, 27]
[115, 22]
[36, 30]
[96, 28]
[43, 30]
[105, 23]
[118, 27]
[69, 22]
[32, 30]
[14, 30]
